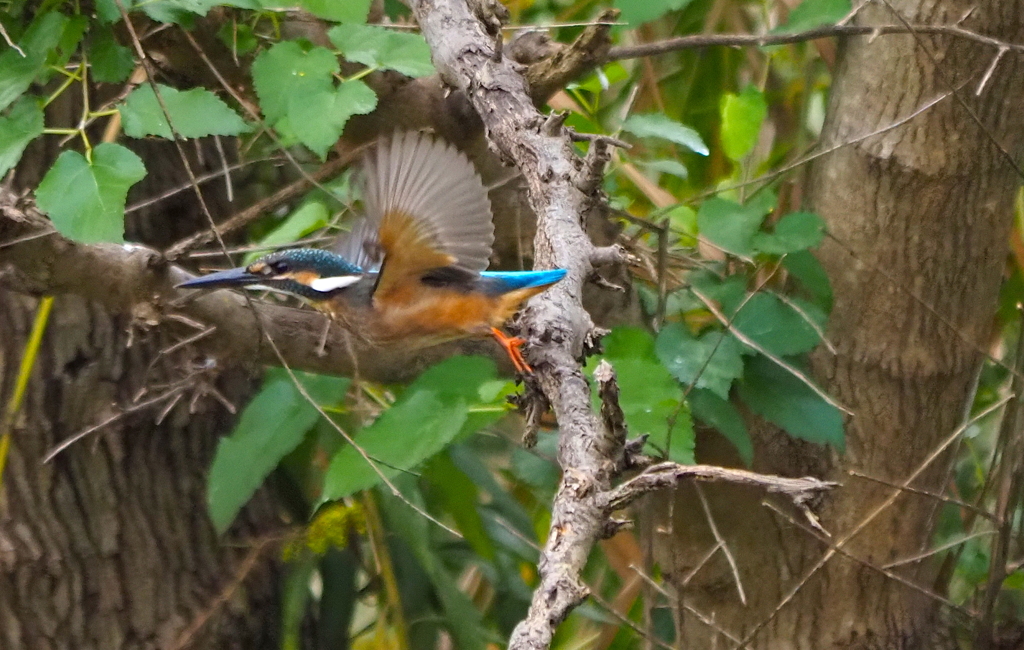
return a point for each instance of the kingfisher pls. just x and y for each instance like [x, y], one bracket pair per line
[411, 271]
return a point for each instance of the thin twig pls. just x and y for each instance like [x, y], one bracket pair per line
[721, 543]
[697, 41]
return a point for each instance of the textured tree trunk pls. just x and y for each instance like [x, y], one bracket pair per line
[920, 218]
[109, 546]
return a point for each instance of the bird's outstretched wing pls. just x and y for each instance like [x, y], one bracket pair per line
[429, 207]
[360, 246]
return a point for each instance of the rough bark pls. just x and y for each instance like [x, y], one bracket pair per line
[108, 546]
[919, 220]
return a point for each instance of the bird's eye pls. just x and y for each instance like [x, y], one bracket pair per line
[279, 267]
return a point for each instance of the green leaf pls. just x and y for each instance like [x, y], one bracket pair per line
[23, 124]
[742, 116]
[111, 62]
[271, 426]
[636, 12]
[729, 225]
[806, 268]
[341, 11]
[667, 166]
[295, 597]
[428, 416]
[182, 12]
[195, 113]
[813, 13]
[16, 71]
[657, 125]
[683, 218]
[782, 399]
[794, 232]
[297, 93]
[651, 399]
[237, 37]
[721, 415]
[712, 361]
[459, 497]
[85, 199]
[462, 618]
[319, 122]
[778, 327]
[377, 47]
[309, 217]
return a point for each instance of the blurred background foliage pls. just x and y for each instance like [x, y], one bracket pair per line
[426, 533]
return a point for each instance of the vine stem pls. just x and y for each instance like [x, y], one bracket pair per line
[28, 360]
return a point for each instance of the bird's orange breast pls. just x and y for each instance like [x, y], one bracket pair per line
[417, 316]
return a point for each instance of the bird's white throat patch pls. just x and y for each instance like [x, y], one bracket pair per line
[332, 284]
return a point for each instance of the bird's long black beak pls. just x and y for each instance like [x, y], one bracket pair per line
[239, 277]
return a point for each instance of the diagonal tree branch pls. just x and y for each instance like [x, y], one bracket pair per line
[136, 280]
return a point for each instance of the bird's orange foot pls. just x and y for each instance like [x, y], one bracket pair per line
[511, 345]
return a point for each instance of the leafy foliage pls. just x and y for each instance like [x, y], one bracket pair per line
[194, 114]
[651, 399]
[23, 124]
[298, 94]
[85, 198]
[376, 47]
[271, 426]
[657, 125]
[432, 411]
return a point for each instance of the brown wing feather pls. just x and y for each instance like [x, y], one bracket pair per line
[430, 208]
[408, 253]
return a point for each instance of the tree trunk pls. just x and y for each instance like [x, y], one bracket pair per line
[109, 546]
[919, 219]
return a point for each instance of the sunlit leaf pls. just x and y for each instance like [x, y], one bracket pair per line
[658, 125]
[794, 232]
[742, 116]
[377, 47]
[711, 361]
[271, 426]
[297, 86]
[23, 124]
[785, 400]
[85, 199]
[721, 415]
[195, 113]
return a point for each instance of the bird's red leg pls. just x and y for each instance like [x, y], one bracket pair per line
[511, 345]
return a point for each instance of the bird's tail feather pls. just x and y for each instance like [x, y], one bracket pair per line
[512, 280]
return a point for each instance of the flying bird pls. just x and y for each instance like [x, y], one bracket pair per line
[411, 272]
